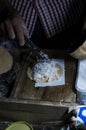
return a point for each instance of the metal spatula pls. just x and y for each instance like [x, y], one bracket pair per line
[40, 54]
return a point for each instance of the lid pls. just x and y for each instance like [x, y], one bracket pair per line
[20, 125]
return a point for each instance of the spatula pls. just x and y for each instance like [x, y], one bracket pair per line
[39, 53]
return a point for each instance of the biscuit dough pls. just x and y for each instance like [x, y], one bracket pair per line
[44, 72]
[6, 60]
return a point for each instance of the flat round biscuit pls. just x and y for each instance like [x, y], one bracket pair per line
[6, 60]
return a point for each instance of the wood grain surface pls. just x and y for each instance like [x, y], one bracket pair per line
[24, 87]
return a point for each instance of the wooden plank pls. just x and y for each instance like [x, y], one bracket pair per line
[24, 87]
[11, 109]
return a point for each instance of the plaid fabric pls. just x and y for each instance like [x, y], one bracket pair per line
[55, 15]
[27, 11]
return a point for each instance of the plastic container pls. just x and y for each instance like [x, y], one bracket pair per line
[80, 84]
[81, 97]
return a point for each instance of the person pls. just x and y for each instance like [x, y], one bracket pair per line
[57, 24]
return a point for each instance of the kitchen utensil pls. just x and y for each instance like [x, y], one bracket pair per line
[39, 53]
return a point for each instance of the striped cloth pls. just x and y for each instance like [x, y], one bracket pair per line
[55, 15]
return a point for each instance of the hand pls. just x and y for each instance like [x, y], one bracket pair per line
[15, 27]
[11, 23]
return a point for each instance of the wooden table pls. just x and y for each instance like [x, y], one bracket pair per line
[41, 104]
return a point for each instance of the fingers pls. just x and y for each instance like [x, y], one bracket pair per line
[15, 28]
[20, 34]
[9, 29]
[20, 30]
[2, 29]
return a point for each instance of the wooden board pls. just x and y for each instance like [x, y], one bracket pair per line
[24, 87]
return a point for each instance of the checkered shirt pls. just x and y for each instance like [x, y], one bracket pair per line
[55, 15]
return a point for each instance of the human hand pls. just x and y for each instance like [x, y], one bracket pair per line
[15, 27]
[11, 23]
